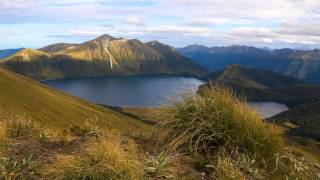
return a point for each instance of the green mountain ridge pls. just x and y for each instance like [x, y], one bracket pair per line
[104, 56]
[251, 77]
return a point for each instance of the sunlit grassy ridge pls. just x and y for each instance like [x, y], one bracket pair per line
[21, 95]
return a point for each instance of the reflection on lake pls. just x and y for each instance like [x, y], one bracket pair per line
[127, 91]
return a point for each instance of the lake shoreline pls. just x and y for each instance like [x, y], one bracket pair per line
[130, 91]
[124, 76]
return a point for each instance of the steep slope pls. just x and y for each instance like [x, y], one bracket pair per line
[103, 56]
[164, 49]
[21, 95]
[307, 117]
[297, 63]
[173, 54]
[8, 52]
[250, 77]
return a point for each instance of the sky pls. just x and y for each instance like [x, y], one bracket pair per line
[261, 23]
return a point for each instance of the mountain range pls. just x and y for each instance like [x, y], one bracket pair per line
[301, 64]
[103, 56]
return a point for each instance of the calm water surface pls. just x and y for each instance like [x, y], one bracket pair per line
[268, 109]
[127, 91]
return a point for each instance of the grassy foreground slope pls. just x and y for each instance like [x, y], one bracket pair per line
[21, 95]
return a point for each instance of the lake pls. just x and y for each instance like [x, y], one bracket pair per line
[139, 91]
[268, 109]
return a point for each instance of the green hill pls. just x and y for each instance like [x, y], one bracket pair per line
[250, 77]
[104, 56]
[21, 95]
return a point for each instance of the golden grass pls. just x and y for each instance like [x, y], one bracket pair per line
[110, 158]
[17, 126]
[215, 119]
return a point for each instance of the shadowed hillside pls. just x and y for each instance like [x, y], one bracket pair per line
[250, 77]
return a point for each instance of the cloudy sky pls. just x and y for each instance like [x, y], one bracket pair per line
[265, 23]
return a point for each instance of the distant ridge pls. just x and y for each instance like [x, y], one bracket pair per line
[251, 77]
[56, 47]
[8, 52]
[103, 56]
[301, 64]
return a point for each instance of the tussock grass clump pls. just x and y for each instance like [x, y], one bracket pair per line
[105, 159]
[18, 126]
[217, 119]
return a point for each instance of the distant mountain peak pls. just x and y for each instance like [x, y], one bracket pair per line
[105, 37]
[155, 42]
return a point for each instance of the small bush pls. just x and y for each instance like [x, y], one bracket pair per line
[106, 159]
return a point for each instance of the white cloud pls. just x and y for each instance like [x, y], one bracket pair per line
[134, 20]
[181, 21]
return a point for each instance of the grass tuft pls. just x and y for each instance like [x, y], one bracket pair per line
[18, 126]
[217, 119]
[104, 159]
